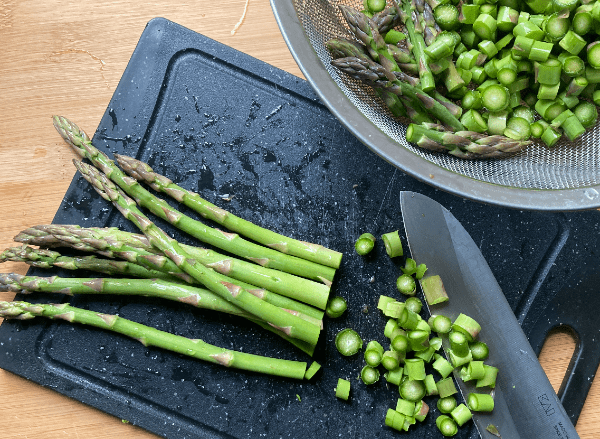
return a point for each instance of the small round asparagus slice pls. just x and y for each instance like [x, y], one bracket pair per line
[336, 307]
[348, 342]
[369, 375]
[406, 284]
[364, 244]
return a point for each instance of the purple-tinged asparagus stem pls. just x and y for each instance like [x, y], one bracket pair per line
[366, 31]
[375, 75]
[418, 46]
[465, 144]
[386, 19]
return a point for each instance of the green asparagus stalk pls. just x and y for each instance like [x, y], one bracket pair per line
[110, 240]
[66, 236]
[230, 242]
[149, 336]
[293, 326]
[404, 77]
[46, 258]
[402, 56]
[342, 48]
[464, 144]
[198, 297]
[312, 252]
[375, 75]
[416, 38]
[392, 102]
[456, 110]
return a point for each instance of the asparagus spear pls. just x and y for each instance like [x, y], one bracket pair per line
[430, 27]
[363, 28]
[375, 75]
[294, 326]
[386, 19]
[403, 57]
[149, 336]
[418, 45]
[462, 143]
[366, 31]
[342, 47]
[230, 242]
[46, 258]
[312, 252]
[198, 297]
[109, 242]
[57, 235]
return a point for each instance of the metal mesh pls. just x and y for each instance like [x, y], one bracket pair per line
[568, 165]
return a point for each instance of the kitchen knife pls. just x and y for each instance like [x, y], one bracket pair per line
[525, 404]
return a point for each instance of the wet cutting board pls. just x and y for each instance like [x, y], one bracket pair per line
[256, 141]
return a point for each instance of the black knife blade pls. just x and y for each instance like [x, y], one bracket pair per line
[526, 405]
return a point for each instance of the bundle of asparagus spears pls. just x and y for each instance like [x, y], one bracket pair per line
[478, 78]
[279, 283]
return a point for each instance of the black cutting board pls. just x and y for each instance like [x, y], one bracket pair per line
[257, 141]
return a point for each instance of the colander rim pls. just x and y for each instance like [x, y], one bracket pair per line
[294, 35]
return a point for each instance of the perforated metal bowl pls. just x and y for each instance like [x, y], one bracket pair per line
[566, 177]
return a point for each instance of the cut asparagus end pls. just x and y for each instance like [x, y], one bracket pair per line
[433, 289]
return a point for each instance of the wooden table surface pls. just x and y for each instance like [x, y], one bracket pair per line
[66, 58]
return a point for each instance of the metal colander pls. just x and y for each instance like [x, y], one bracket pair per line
[565, 177]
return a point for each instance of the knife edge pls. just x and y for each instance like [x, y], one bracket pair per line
[526, 404]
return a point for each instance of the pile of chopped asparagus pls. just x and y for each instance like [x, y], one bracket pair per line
[279, 283]
[478, 78]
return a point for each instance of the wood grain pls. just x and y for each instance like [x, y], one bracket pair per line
[66, 57]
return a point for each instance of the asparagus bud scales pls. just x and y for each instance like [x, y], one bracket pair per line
[233, 243]
[112, 242]
[313, 252]
[292, 325]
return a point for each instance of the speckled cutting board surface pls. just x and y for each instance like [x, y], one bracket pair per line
[255, 140]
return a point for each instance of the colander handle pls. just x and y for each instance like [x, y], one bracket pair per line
[575, 309]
